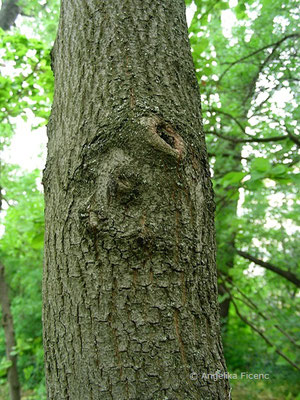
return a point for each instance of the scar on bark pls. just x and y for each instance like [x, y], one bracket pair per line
[124, 185]
[166, 133]
[164, 137]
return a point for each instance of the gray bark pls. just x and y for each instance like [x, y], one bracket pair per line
[8, 326]
[130, 290]
[8, 13]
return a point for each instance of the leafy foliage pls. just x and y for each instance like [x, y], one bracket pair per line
[21, 253]
[248, 79]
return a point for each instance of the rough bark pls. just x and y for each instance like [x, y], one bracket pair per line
[130, 290]
[8, 13]
[7, 322]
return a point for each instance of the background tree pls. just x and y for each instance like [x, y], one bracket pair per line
[21, 253]
[25, 91]
[10, 343]
[252, 154]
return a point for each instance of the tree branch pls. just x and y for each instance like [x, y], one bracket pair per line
[294, 162]
[209, 9]
[235, 157]
[257, 330]
[293, 137]
[285, 274]
[252, 86]
[278, 43]
[261, 334]
[227, 115]
[255, 308]
[252, 140]
[8, 14]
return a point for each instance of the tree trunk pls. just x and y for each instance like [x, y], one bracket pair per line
[130, 290]
[7, 322]
[226, 213]
[224, 309]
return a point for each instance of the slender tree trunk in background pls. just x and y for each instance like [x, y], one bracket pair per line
[8, 13]
[130, 289]
[224, 308]
[7, 322]
[226, 213]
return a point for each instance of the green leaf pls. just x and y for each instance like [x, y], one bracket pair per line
[5, 364]
[278, 170]
[261, 164]
[295, 178]
[201, 45]
[223, 297]
[254, 184]
[38, 241]
[232, 177]
[223, 5]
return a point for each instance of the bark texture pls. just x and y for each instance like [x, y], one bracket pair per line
[8, 326]
[8, 13]
[130, 288]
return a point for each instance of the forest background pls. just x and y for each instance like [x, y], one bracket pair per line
[246, 58]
